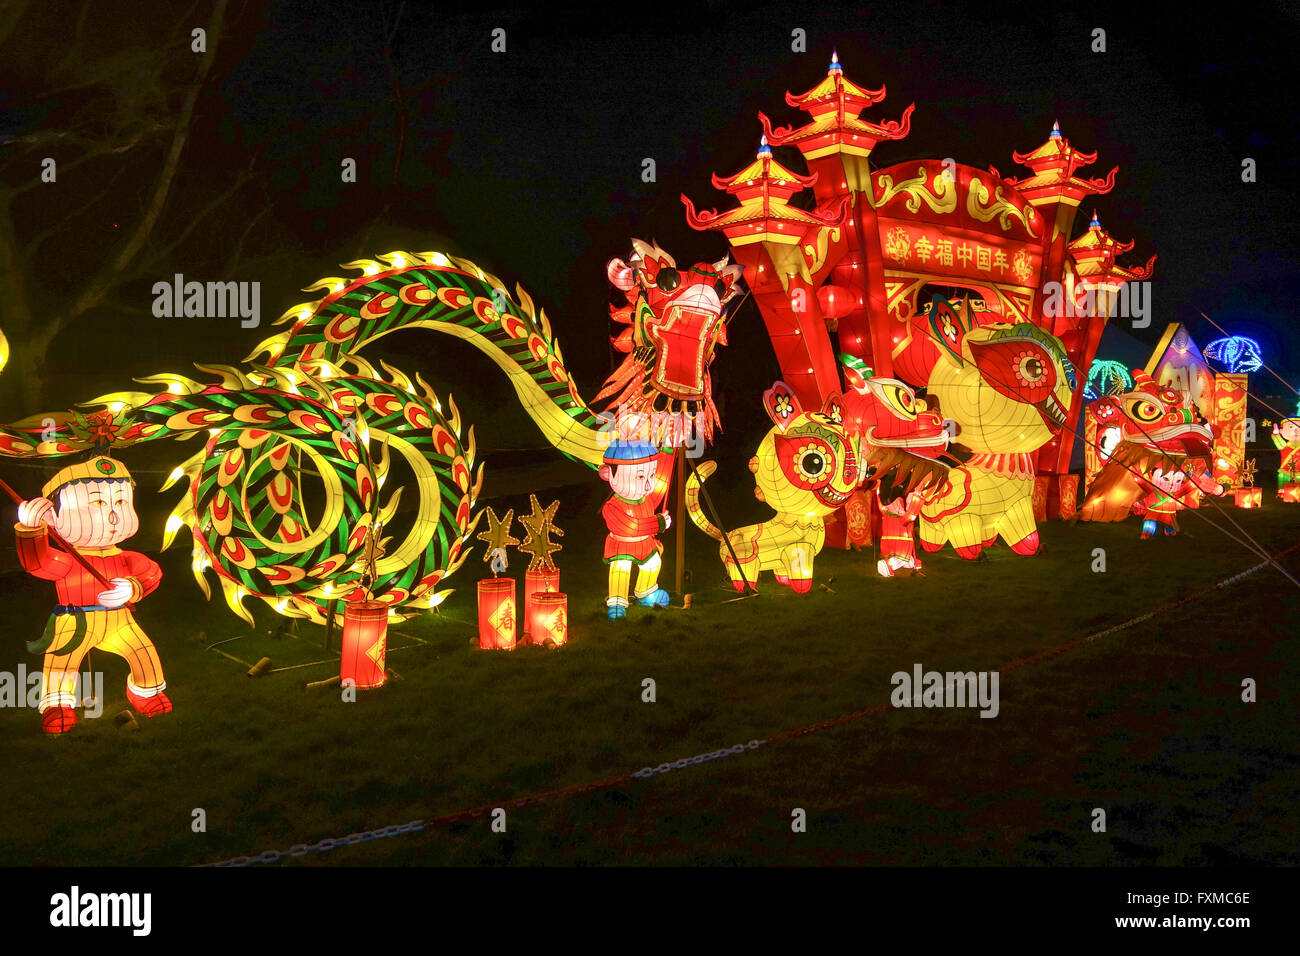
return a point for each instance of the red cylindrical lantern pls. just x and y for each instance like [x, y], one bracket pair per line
[536, 582]
[365, 643]
[550, 617]
[1248, 497]
[497, 614]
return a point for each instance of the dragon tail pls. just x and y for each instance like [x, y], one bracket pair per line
[430, 290]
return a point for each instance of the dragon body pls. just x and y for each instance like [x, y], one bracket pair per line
[307, 408]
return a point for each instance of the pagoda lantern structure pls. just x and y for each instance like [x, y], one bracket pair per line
[1055, 191]
[831, 272]
[768, 236]
[852, 275]
[836, 143]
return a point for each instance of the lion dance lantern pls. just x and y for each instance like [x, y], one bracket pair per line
[805, 468]
[1007, 388]
[1140, 434]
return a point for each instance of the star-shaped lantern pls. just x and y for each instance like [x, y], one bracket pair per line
[497, 538]
[538, 527]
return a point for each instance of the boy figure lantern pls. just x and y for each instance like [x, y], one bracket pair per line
[1286, 438]
[1161, 504]
[634, 469]
[96, 512]
[897, 538]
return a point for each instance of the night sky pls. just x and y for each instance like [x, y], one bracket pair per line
[529, 161]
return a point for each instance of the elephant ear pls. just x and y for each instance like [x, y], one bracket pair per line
[949, 326]
[781, 404]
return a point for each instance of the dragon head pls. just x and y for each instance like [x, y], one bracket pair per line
[808, 464]
[675, 323]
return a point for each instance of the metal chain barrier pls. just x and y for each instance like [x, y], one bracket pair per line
[646, 773]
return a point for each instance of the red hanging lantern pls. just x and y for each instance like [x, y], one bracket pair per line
[549, 617]
[497, 614]
[365, 643]
[537, 582]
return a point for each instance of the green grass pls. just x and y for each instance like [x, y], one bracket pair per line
[1147, 723]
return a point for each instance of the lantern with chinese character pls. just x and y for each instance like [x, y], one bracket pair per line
[365, 640]
[497, 613]
[1069, 496]
[549, 617]
[536, 583]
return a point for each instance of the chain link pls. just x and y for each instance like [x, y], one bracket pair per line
[322, 846]
[645, 773]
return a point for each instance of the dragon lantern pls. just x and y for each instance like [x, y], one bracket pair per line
[307, 403]
[675, 321]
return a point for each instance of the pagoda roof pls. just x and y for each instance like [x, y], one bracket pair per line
[1097, 238]
[1054, 165]
[764, 218]
[1094, 255]
[843, 128]
[834, 105]
[764, 170]
[834, 92]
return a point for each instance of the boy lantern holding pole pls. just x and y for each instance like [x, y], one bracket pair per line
[97, 585]
[637, 472]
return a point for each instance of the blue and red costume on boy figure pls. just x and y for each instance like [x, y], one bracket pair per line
[638, 473]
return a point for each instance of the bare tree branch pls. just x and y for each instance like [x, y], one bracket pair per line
[172, 163]
[95, 289]
[236, 253]
[195, 221]
[34, 244]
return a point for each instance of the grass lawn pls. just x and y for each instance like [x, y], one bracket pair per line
[1147, 723]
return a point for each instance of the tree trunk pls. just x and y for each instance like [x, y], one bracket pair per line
[23, 383]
